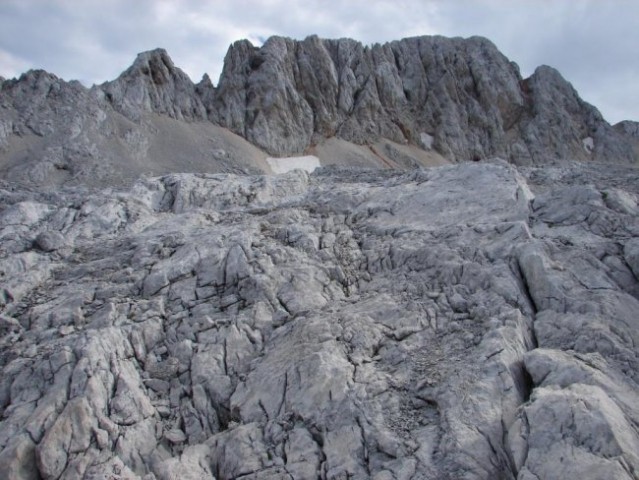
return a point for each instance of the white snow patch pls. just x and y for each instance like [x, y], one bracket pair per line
[427, 140]
[283, 165]
[589, 144]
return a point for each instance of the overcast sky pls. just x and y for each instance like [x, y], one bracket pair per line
[593, 43]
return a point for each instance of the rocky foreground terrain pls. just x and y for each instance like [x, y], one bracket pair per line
[474, 321]
[374, 319]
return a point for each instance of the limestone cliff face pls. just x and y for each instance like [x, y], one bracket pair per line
[461, 97]
[397, 91]
[558, 124]
[154, 84]
[473, 321]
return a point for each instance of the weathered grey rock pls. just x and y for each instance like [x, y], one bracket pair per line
[205, 90]
[583, 135]
[154, 84]
[70, 434]
[279, 118]
[631, 255]
[18, 461]
[461, 97]
[471, 321]
[580, 416]
[628, 127]
[49, 241]
[164, 370]
[150, 119]
[193, 464]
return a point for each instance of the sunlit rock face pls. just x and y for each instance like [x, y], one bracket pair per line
[469, 321]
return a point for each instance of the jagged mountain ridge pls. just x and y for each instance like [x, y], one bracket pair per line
[462, 92]
[458, 98]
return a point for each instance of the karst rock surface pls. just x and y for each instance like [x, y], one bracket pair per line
[474, 321]
[460, 99]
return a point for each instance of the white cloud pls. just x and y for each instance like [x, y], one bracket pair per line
[12, 66]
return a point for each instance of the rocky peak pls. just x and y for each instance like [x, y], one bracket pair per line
[260, 98]
[463, 95]
[37, 83]
[154, 84]
[155, 63]
[560, 125]
[205, 82]
[628, 127]
[629, 130]
[471, 321]
[460, 99]
[37, 99]
[206, 92]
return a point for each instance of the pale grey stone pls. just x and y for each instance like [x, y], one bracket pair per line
[462, 95]
[129, 405]
[580, 423]
[164, 370]
[441, 323]
[49, 241]
[448, 323]
[543, 285]
[18, 460]
[175, 436]
[154, 84]
[193, 464]
[70, 434]
[631, 254]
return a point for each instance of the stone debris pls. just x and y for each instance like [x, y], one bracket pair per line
[473, 321]
[165, 370]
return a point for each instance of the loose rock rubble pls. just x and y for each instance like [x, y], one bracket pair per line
[466, 322]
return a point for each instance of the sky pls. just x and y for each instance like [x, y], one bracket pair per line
[593, 43]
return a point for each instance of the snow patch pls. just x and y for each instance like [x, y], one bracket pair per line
[589, 144]
[427, 140]
[283, 165]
